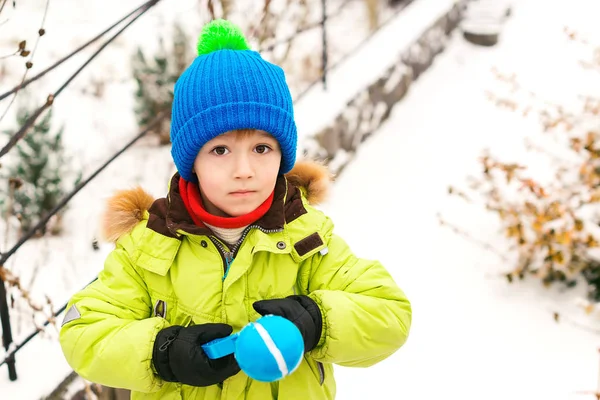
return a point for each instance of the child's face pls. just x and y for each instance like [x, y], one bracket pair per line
[237, 171]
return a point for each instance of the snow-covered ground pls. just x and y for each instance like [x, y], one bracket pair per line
[473, 335]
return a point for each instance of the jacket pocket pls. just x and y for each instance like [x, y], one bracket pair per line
[321, 369]
[160, 309]
[169, 311]
[317, 368]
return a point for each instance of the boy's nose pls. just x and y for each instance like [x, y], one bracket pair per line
[243, 167]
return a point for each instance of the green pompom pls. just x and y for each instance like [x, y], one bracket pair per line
[221, 34]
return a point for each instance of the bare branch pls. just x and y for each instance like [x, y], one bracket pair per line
[21, 132]
[74, 52]
[30, 62]
[9, 55]
[14, 281]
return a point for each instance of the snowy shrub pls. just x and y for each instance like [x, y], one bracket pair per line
[155, 78]
[33, 179]
[551, 224]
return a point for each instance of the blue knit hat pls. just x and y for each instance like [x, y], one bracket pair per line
[227, 87]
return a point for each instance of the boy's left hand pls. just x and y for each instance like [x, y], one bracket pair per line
[301, 310]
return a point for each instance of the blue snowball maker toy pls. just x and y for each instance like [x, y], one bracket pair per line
[267, 350]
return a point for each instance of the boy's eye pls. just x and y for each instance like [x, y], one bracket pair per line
[220, 150]
[262, 149]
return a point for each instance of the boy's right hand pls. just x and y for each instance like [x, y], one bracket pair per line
[178, 355]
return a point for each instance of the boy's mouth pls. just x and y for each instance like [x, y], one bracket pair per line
[242, 192]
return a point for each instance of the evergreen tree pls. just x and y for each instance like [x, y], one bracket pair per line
[34, 175]
[156, 78]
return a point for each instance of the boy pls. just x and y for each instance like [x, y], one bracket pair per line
[236, 238]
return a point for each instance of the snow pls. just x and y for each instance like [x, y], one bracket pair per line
[473, 335]
[320, 106]
[485, 17]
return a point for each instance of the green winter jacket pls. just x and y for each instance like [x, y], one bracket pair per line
[167, 271]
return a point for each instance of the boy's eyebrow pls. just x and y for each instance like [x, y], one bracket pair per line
[265, 134]
[233, 135]
[256, 132]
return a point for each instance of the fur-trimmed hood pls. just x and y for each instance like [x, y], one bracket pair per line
[126, 208]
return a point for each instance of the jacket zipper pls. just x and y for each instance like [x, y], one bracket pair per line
[225, 254]
[229, 255]
[245, 233]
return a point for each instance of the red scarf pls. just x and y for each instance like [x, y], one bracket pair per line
[190, 194]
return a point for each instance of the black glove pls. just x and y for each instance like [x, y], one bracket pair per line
[178, 357]
[302, 311]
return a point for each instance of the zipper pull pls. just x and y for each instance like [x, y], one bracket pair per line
[228, 261]
[166, 344]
